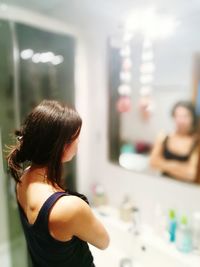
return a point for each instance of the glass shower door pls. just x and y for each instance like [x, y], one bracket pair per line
[7, 123]
[24, 82]
[46, 71]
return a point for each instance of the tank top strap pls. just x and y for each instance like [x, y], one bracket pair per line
[43, 215]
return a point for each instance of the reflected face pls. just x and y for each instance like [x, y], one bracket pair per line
[70, 150]
[183, 120]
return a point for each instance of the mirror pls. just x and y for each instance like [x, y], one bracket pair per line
[154, 93]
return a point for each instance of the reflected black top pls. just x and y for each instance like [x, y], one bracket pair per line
[167, 154]
[45, 251]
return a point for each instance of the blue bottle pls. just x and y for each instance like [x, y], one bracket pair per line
[172, 226]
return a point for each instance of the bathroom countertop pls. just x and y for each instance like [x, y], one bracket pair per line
[147, 236]
[151, 238]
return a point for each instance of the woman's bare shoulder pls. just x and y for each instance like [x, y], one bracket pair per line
[69, 207]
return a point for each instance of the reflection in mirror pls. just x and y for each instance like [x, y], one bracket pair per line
[176, 154]
[154, 94]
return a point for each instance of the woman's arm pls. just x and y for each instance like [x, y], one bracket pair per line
[185, 171]
[181, 170]
[72, 216]
[156, 159]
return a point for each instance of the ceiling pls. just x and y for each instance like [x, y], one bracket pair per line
[86, 11]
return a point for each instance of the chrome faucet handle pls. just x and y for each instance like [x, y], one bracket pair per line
[136, 221]
[126, 262]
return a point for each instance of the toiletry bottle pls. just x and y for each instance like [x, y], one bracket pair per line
[99, 195]
[196, 231]
[172, 225]
[184, 236]
[126, 209]
[160, 222]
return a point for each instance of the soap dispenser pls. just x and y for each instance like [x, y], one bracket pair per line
[184, 236]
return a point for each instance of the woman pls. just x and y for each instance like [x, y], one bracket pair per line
[176, 154]
[57, 224]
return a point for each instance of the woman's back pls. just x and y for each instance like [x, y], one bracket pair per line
[47, 247]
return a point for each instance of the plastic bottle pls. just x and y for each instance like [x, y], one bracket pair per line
[184, 236]
[196, 231]
[126, 209]
[99, 195]
[160, 222]
[172, 225]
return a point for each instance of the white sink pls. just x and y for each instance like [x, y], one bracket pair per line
[145, 250]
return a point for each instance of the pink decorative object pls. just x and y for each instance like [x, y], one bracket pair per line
[123, 104]
[126, 64]
[145, 107]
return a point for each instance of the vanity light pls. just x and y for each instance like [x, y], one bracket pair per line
[125, 76]
[151, 24]
[146, 79]
[57, 60]
[147, 67]
[124, 101]
[147, 55]
[36, 58]
[26, 54]
[124, 89]
[126, 51]
[46, 57]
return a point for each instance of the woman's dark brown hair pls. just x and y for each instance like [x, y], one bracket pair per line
[42, 138]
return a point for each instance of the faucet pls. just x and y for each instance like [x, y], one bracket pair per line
[136, 227]
[125, 262]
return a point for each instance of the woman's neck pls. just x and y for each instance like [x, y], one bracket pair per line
[183, 133]
[36, 173]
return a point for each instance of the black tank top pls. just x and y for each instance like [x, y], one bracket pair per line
[45, 251]
[167, 154]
